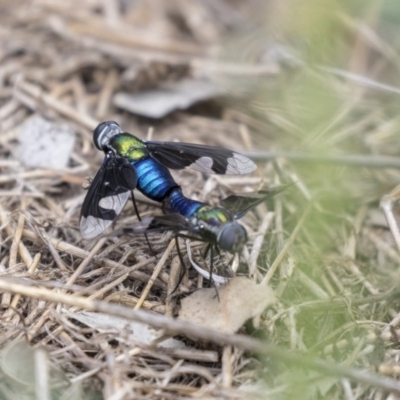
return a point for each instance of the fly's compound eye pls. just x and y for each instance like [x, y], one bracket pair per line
[232, 237]
[104, 132]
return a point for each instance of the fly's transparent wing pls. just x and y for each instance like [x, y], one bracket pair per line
[207, 159]
[240, 204]
[107, 196]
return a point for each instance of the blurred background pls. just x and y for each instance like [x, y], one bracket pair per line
[310, 89]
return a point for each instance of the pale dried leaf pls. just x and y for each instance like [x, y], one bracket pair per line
[45, 144]
[140, 333]
[239, 300]
[157, 103]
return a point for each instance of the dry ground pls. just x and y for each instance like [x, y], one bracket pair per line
[311, 92]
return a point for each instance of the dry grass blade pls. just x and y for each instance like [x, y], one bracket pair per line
[180, 327]
[285, 249]
[157, 270]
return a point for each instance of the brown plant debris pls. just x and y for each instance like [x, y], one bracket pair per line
[310, 93]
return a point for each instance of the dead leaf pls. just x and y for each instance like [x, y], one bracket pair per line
[171, 96]
[45, 144]
[239, 300]
[140, 333]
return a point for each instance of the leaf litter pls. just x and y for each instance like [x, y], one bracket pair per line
[334, 268]
[138, 334]
[228, 308]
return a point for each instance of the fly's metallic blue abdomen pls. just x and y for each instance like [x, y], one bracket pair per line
[154, 180]
[180, 204]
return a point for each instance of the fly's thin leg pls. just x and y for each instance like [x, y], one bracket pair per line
[184, 236]
[211, 282]
[211, 264]
[206, 251]
[178, 249]
[140, 219]
[183, 266]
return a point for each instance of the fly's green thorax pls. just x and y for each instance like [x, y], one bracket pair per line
[213, 215]
[128, 146]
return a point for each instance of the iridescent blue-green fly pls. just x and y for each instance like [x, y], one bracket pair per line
[131, 163]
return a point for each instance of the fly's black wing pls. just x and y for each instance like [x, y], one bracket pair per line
[240, 204]
[207, 159]
[159, 224]
[106, 196]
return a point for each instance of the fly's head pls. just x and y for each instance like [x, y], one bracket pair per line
[232, 237]
[103, 133]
